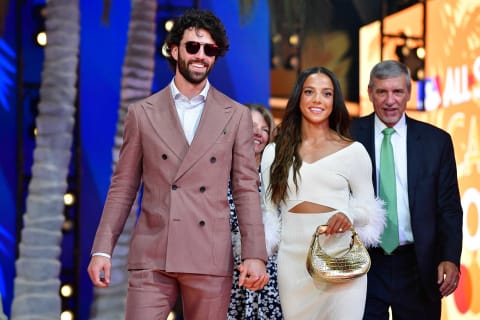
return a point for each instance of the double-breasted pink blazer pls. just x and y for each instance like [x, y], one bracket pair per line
[184, 224]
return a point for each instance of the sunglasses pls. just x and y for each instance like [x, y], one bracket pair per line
[211, 50]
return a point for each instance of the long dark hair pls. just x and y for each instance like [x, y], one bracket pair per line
[287, 135]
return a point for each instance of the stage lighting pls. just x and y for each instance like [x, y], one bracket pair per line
[414, 59]
[165, 51]
[420, 51]
[66, 315]
[68, 225]
[294, 40]
[68, 199]
[275, 62]
[41, 38]
[293, 62]
[276, 38]
[66, 290]
[169, 24]
[38, 16]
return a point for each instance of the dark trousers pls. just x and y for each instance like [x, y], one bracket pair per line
[394, 282]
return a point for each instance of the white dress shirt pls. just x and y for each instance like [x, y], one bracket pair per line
[399, 144]
[189, 110]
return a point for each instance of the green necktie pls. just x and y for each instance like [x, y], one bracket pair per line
[388, 192]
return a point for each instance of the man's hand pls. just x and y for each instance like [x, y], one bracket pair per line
[448, 277]
[99, 271]
[253, 274]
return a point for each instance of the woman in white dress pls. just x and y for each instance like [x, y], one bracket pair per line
[314, 173]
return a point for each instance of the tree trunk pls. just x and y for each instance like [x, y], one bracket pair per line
[137, 76]
[38, 266]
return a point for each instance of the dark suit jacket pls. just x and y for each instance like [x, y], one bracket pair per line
[184, 221]
[433, 194]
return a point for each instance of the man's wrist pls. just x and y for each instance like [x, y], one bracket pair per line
[106, 255]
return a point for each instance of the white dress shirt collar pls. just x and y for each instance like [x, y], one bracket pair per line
[400, 127]
[189, 110]
[177, 94]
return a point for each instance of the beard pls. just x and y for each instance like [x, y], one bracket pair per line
[191, 76]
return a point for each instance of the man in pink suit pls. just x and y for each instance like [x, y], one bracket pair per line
[184, 143]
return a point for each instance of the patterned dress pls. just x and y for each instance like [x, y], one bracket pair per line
[247, 304]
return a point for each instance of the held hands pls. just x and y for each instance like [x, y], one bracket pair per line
[99, 271]
[448, 277]
[253, 275]
[338, 223]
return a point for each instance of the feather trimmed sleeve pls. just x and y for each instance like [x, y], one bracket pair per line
[270, 212]
[271, 223]
[368, 217]
[366, 212]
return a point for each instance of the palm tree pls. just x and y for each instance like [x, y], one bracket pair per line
[2, 315]
[137, 76]
[38, 267]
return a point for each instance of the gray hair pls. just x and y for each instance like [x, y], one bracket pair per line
[390, 69]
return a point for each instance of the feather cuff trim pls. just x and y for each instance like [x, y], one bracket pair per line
[271, 223]
[371, 232]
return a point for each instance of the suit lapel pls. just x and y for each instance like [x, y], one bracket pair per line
[413, 166]
[215, 115]
[163, 117]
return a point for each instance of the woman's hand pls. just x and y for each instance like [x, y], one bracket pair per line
[338, 223]
[253, 274]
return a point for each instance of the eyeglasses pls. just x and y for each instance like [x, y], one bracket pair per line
[210, 49]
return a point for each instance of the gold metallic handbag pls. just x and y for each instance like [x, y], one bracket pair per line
[323, 267]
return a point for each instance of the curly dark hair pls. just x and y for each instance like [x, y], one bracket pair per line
[287, 135]
[198, 19]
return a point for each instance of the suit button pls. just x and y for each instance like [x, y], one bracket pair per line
[201, 223]
[202, 189]
[164, 156]
[213, 159]
[174, 187]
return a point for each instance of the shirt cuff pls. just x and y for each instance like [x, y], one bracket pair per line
[106, 255]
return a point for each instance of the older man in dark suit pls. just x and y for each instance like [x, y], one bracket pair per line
[184, 143]
[420, 265]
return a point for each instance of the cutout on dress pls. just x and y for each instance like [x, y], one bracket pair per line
[310, 207]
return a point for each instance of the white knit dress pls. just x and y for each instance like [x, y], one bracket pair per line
[342, 180]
